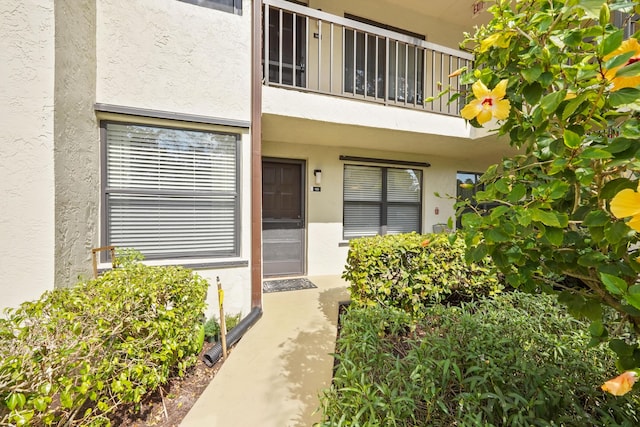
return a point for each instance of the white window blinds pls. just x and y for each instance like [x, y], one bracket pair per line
[171, 192]
[381, 200]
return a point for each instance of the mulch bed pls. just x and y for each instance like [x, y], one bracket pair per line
[168, 406]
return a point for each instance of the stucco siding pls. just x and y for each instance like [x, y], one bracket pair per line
[399, 15]
[77, 143]
[26, 150]
[326, 248]
[325, 108]
[174, 56]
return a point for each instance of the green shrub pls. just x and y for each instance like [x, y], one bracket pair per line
[412, 271]
[212, 326]
[514, 360]
[76, 354]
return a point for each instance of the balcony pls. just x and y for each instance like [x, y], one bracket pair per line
[312, 51]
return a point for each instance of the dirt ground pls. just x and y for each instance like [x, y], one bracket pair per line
[168, 406]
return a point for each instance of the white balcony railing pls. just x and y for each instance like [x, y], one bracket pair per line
[310, 50]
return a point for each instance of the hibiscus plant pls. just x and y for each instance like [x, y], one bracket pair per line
[560, 82]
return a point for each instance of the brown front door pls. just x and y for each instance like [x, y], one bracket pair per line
[283, 228]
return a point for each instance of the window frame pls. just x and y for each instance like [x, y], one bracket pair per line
[105, 191]
[477, 187]
[384, 203]
[236, 9]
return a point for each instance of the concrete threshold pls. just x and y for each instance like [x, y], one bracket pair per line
[275, 374]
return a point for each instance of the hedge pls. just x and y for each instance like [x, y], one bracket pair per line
[76, 354]
[412, 272]
[515, 360]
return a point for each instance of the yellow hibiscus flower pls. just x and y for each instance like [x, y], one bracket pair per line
[488, 103]
[629, 45]
[621, 384]
[627, 204]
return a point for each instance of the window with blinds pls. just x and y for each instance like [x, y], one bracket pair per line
[380, 200]
[171, 193]
[231, 6]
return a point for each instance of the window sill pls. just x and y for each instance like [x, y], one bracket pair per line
[343, 243]
[195, 264]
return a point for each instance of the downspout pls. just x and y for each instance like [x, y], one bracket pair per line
[256, 155]
[214, 354]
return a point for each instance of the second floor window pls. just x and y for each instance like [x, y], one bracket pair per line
[231, 6]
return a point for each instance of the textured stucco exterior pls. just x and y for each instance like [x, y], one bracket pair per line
[401, 14]
[326, 248]
[77, 148]
[26, 150]
[174, 56]
[171, 58]
[59, 60]
[177, 57]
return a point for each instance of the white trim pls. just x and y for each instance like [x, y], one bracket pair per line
[169, 115]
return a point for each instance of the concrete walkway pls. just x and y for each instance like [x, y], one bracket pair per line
[275, 373]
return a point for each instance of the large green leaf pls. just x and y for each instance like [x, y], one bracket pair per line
[571, 139]
[596, 219]
[517, 193]
[532, 92]
[633, 300]
[615, 285]
[592, 153]
[572, 106]
[618, 145]
[591, 259]
[611, 42]
[614, 232]
[631, 128]
[613, 187]
[632, 70]
[550, 219]
[496, 235]
[558, 165]
[551, 102]
[624, 96]
[596, 329]
[621, 348]
[618, 60]
[554, 235]
[531, 73]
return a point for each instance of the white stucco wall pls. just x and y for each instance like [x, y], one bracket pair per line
[26, 150]
[174, 56]
[177, 57]
[401, 15]
[326, 249]
[326, 108]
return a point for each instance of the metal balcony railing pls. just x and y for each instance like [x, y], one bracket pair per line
[310, 50]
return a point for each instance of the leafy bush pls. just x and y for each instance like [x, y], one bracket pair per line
[516, 360]
[565, 75]
[212, 326]
[76, 354]
[412, 271]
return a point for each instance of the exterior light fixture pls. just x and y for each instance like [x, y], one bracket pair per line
[318, 174]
